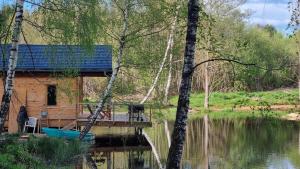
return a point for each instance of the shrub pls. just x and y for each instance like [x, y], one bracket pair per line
[39, 153]
[56, 151]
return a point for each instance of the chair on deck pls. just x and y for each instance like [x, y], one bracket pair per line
[43, 121]
[32, 121]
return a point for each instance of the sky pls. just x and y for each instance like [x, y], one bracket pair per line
[274, 12]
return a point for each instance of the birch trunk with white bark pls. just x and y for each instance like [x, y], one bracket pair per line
[107, 91]
[179, 132]
[206, 83]
[298, 51]
[154, 151]
[167, 51]
[13, 58]
[167, 132]
[167, 89]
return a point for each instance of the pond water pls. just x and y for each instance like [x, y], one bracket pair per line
[228, 144]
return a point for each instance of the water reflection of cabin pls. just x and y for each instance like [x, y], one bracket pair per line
[130, 152]
[39, 85]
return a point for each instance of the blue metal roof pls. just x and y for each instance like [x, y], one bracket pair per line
[54, 58]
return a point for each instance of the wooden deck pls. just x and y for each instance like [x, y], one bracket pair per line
[117, 120]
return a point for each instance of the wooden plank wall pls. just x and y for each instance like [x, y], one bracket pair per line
[32, 92]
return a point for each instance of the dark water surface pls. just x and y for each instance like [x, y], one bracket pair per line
[229, 144]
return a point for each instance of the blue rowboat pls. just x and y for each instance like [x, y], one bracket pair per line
[66, 134]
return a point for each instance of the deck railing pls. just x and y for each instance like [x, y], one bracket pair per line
[116, 110]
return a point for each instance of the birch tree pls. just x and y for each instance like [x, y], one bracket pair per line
[130, 31]
[168, 84]
[107, 91]
[294, 7]
[206, 39]
[7, 15]
[13, 58]
[206, 83]
[168, 52]
[179, 132]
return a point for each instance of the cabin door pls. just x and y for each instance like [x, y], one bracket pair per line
[18, 99]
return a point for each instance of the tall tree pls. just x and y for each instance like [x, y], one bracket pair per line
[168, 84]
[7, 15]
[169, 78]
[214, 40]
[13, 58]
[168, 50]
[130, 31]
[179, 132]
[107, 91]
[294, 7]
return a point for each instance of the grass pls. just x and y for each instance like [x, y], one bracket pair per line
[39, 153]
[223, 114]
[233, 99]
[222, 104]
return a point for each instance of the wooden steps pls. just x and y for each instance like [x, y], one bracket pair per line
[70, 126]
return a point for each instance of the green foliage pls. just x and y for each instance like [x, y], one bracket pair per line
[124, 87]
[39, 153]
[226, 105]
[6, 13]
[15, 154]
[271, 53]
[72, 22]
[222, 32]
[56, 151]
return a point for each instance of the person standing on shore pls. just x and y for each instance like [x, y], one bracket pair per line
[22, 118]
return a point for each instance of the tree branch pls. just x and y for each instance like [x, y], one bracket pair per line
[44, 7]
[242, 63]
[223, 59]
[40, 28]
[30, 51]
[147, 34]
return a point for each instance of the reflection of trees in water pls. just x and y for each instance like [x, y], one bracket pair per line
[136, 160]
[129, 159]
[233, 144]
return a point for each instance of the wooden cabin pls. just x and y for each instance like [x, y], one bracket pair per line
[49, 78]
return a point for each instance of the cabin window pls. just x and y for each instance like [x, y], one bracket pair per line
[51, 95]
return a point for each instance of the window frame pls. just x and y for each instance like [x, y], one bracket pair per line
[47, 95]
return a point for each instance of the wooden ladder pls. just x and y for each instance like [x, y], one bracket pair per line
[70, 126]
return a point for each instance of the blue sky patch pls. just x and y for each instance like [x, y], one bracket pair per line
[274, 12]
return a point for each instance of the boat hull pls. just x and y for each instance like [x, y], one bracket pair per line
[66, 134]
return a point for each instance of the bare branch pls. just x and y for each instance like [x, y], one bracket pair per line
[112, 35]
[223, 59]
[119, 7]
[40, 28]
[241, 63]
[30, 51]
[44, 7]
[147, 34]
[2, 36]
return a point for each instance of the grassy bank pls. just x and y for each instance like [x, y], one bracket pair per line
[237, 105]
[39, 153]
[229, 114]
